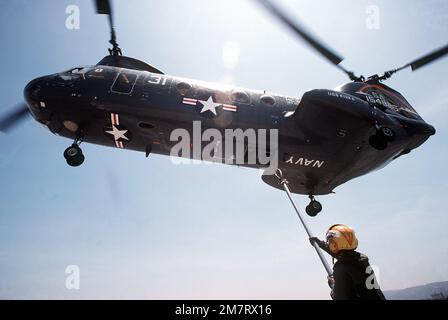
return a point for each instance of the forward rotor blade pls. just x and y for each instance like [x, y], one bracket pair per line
[104, 7]
[12, 119]
[300, 31]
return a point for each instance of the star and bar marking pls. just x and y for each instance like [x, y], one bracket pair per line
[115, 132]
[209, 105]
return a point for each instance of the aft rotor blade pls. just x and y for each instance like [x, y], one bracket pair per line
[300, 31]
[12, 119]
[416, 64]
[430, 57]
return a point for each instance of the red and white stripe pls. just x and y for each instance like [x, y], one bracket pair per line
[229, 107]
[189, 101]
[114, 119]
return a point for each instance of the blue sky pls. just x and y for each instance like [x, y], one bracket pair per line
[146, 228]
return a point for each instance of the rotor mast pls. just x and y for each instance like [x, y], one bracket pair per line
[104, 7]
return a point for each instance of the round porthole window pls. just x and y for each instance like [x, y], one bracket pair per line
[145, 125]
[241, 97]
[183, 87]
[267, 100]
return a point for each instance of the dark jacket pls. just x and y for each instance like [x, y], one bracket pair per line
[353, 277]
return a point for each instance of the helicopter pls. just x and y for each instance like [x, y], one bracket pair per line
[325, 138]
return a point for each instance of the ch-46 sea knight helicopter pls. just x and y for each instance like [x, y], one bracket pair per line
[325, 138]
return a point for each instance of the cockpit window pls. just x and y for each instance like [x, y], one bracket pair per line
[79, 70]
[75, 73]
[69, 76]
[75, 70]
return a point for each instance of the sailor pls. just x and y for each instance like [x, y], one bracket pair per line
[353, 277]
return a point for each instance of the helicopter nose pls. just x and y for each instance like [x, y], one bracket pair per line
[35, 93]
[33, 90]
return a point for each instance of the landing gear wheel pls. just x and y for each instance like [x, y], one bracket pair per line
[313, 208]
[74, 156]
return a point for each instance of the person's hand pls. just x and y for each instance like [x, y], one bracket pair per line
[330, 280]
[314, 240]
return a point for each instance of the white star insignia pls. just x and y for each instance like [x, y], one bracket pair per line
[209, 105]
[117, 133]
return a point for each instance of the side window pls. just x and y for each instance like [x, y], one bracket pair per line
[240, 96]
[267, 100]
[183, 88]
[124, 82]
